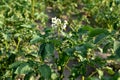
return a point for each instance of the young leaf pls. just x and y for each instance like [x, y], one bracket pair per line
[109, 70]
[100, 72]
[24, 68]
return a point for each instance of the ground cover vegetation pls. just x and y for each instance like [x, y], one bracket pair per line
[44, 39]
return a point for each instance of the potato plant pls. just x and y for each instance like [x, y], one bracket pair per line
[59, 40]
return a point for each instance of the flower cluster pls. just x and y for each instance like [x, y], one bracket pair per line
[57, 23]
[60, 26]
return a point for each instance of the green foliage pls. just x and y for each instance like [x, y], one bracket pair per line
[46, 50]
[41, 39]
[45, 71]
[117, 47]
[23, 68]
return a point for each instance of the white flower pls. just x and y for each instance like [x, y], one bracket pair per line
[54, 20]
[58, 21]
[65, 22]
[54, 25]
[64, 26]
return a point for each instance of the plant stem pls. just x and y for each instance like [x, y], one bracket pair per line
[83, 78]
[68, 68]
[32, 8]
[92, 74]
[67, 63]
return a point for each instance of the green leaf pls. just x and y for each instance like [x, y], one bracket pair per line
[41, 51]
[117, 2]
[97, 31]
[110, 70]
[82, 31]
[28, 76]
[0, 52]
[56, 42]
[100, 72]
[69, 51]
[24, 68]
[36, 39]
[45, 71]
[32, 55]
[89, 45]
[49, 48]
[7, 74]
[28, 25]
[81, 49]
[117, 47]
[88, 28]
[106, 47]
[15, 64]
[6, 37]
[46, 50]
[99, 38]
